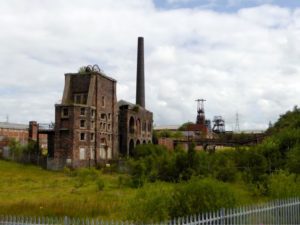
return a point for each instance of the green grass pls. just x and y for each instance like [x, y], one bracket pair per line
[30, 190]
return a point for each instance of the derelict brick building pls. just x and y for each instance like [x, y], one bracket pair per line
[135, 121]
[91, 127]
[86, 120]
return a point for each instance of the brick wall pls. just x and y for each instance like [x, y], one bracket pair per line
[88, 133]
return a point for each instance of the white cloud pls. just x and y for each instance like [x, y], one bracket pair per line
[246, 62]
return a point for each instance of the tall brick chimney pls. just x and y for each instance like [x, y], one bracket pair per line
[140, 74]
[33, 131]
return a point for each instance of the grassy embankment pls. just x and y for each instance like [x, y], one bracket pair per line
[30, 190]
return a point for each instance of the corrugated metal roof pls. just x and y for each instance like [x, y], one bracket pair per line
[16, 126]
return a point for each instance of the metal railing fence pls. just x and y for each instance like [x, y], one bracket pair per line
[277, 212]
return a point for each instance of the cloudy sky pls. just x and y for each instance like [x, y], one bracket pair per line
[242, 56]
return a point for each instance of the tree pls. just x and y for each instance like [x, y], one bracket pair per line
[184, 126]
[293, 159]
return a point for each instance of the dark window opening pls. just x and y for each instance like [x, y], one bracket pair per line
[103, 101]
[65, 112]
[82, 111]
[131, 125]
[82, 123]
[103, 116]
[82, 136]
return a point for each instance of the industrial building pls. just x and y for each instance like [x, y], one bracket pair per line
[91, 126]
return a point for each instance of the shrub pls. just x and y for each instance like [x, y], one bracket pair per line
[150, 204]
[142, 151]
[198, 196]
[138, 173]
[283, 184]
[293, 159]
[253, 165]
[15, 147]
[224, 168]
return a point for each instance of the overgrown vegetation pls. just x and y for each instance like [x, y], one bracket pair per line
[161, 184]
[18, 149]
[269, 170]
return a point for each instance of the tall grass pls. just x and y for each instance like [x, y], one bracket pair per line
[30, 190]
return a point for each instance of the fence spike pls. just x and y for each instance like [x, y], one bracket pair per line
[284, 211]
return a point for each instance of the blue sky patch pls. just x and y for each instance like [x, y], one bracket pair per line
[223, 5]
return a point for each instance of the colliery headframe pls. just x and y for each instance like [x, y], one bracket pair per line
[209, 135]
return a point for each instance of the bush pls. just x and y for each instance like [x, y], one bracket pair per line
[15, 147]
[198, 196]
[150, 204]
[142, 151]
[138, 173]
[293, 159]
[283, 184]
[224, 168]
[253, 165]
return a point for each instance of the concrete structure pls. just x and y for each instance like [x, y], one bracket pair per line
[86, 120]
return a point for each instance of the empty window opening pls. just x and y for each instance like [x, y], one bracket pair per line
[103, 101]
[82, 136]
[103, 116]
[131, 125]
[82, 111]
[65, 112]
[82, 123]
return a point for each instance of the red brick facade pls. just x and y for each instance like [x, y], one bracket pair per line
[21, 133]
[86, 121]
[135, 127]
